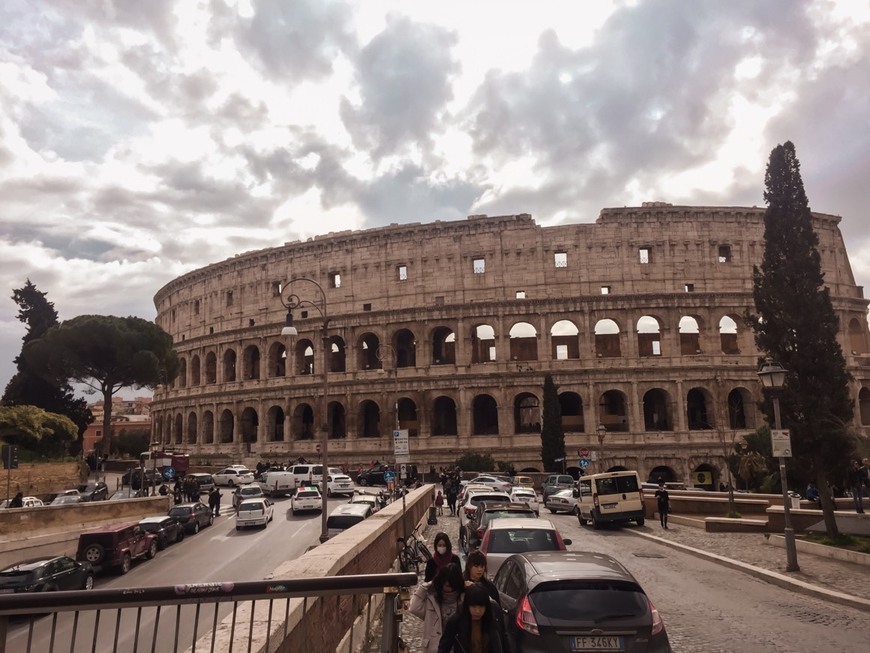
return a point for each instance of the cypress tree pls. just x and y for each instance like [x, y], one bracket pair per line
[552, 436]
[796, 326]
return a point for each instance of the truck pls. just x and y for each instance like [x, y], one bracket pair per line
[163, 460]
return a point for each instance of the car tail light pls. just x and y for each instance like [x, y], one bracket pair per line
[595, 498]
[526, 618]
[484, 544]
[658, 625]
[559, 542]
[478, 533]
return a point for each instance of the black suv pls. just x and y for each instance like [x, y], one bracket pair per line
[167, 529]
[374, 475]
[192, 516]
[46, 575]
[471, 534]
[115, 547]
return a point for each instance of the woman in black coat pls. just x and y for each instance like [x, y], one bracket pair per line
[473, 629]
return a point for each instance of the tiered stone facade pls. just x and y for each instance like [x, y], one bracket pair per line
[448, 329]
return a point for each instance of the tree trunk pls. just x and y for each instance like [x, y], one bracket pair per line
[107, 418]
[827, 503]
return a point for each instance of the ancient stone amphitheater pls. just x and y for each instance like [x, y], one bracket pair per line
[447, 329]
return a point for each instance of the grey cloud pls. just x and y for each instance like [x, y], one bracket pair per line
[404, 76]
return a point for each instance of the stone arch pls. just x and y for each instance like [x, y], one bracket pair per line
[443, 346]
[699, 409]
[251, 362]
[728, 335]
[527, 413]
[208, 427]
[167, 433]
[194, 370]
[367, 352]
[405, 346]
[564, 341]
[740, 409]
[274, 424]
[211, 368]
[649, 336]
[177, 430]
[444, 416]
[191, 428]
[305, 357]
[662, 474]
[229, 374]
[690, 335]
[607, 339]
[248, 423]
[303, 422]
[337, 420]
[614, 411]
[857, 336]
[864, 406]
[483, 344]
[226, 426]
[531, 470]
[407, 410]
[337, 354]
[369, 419]
[277, 360]
[484, 414]
[571, 409]
[182, 373]
[657, 410]
[523, 342]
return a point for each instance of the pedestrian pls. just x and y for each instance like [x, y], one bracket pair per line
[474, 627]
[214, 501]
[451, 497]
[163, 490]
[177, 493]
[435, 602]
[442, 556]
[17, 501]
[439, 502]
[664, 504]
[857, 480]
[812, 492]
[475, 573]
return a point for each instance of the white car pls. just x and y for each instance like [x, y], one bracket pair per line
[233, 477]
[306, 499]
[27, 502]
[368, 499]
[338, 482]
[526, 495]
[254, 512]
[473, 497]
[494, 482]
[562, 501]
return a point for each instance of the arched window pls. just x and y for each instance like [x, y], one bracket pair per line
[607, 339]
[483, 344]
[523, 342]
[565, 341]
[527, 413]
[690, 336]
[484, 415]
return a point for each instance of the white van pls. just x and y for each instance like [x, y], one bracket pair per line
[345, 516]
[277, 483]
[609, 498]
[306, 474]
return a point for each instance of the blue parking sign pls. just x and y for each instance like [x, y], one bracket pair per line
[584, 463]
[169, 473]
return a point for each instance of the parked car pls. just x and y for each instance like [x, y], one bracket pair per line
[527, 495]
[577, 601]
[47, 575]
[562, 501]
[345, 516]
[127, 493]
[610, 497]
[556, 482]
[193, 516]
[471, 534]
[505, 537]
[233, 477]
[493, 482]
[338, 483]
[474, 497]
[116, 546]
[254, 512]
[206, 481]
[524, 481]
[306, 499]
[94, 491]
[374, 475]
[26, 502]
[65, 499]
[166, 529]
[368, 499]
[276, 483]
[252, 491]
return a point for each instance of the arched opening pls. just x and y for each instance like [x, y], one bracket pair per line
[227, 426]
[367, 348]
[337, 354]
[167, 434]
[405, 348]
[337, 420]
[208, 427]
[444, 416]
[607, 339]
[571, 409]
[662, 474]
[248, 425]
[657, 411]
[210, 367]
[698, 410]
[527, 413]
[182, 373]
[523, 342]
[864, 406]
[408, 416]
[728, 335]
[195, 371]
[251, 362]
[177, 434]
[484, 415]
[303, 422]
[564, 341]
[275, 424]
[690, 336]
[229, 374]
[191, 428]
[304, 350]
[614, 415]
[737, 402]
[443, 346]
[649, 339]
[483, 344]
[277, 360]
[369, 420]
[857, 336]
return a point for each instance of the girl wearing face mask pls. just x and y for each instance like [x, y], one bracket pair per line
[473, 629]
[436, 602]
[442, 556]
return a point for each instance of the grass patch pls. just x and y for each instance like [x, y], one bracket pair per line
[733, 514]
[858, 543]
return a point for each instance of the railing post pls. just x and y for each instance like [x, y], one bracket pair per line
[390, 633]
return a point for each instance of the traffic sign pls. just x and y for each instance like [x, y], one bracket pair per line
[168, 473]
[583, 452]
[780, 440]
[584, 463]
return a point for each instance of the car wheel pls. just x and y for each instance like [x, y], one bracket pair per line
[230, 483]
[639, 521]
[152, 551]
[89, 582]
[238, 528]
[94, 554]
[328, 492]
[210, 520]
[576, 511]
[195, 527]
[552, 510]
[126, 563]
[595, 523]
[581, 518]
[362, 481]
[180, 535]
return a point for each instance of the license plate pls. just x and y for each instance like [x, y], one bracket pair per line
[596, 644]
[609, 506]
[344, 485]
[7, 591]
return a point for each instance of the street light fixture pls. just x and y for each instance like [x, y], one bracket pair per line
[601, 431]
[772, 377]
[291, 301]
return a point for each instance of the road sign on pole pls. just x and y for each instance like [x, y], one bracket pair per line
[583, 452]
[401, 446]
[780, 440]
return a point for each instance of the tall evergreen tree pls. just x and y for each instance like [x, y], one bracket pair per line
[797, 327]
[28, 388]
[552, 435]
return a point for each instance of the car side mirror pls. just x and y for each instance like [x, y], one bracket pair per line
[576, 493]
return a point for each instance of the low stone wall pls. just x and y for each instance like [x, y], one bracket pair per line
[41, 479]
[709, 504]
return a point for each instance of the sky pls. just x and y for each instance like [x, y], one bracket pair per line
[142, 140]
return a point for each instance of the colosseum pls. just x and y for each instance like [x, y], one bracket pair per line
[447, 330]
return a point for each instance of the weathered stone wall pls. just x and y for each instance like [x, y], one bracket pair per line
[41, 479]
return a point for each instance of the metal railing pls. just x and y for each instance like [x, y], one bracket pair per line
[256, 617]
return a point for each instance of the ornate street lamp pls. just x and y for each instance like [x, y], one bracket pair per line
[772, 377]
[291, 301]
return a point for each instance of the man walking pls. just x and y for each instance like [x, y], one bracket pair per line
[857, 480]
[664, 505]
[214, 501]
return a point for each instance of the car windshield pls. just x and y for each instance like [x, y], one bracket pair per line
[589, 600]
[488, 516]
[519, 540]
[179, 512]
[617, 485]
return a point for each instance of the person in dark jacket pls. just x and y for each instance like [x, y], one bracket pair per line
[441, 557]
[473, 629]
[475, 573]
[857, 479]
[664, 504]
[214, 501]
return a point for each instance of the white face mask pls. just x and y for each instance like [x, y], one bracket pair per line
[442, 550]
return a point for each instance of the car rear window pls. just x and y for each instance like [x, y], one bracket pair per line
[307, 495]
[179, 512]
[489, 515]
[617, 485]
[476, 499]
[589, 600]
[343, 521]
[520, 540]
[251, 505]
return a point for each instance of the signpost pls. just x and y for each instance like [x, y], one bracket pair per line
[780, 440]
[401, 446]
[583, 452]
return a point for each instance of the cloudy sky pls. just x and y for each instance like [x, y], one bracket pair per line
[142, 139]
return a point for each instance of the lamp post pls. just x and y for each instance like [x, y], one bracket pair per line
[290, 301]
[601, 432]
[772, 377]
